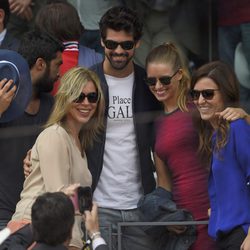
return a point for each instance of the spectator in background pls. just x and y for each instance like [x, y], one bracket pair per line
[43, 55]
[214, 87]
[22, 15]
[233, 28]
[7, 41]
[178, 21]
[90, 13]
[54, 19]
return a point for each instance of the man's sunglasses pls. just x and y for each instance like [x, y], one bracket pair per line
[165, 80]
[207, 94]
[126, 45]
[92, 97]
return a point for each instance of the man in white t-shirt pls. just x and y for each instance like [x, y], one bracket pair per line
[120, 160]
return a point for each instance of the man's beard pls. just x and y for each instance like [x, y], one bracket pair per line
[45, 84]
[119, 65]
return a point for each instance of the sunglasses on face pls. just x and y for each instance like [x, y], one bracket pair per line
[207, 94]
[126, 45]
[165, 80]
[92, 97]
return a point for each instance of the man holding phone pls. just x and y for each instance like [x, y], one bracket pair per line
[52, 222]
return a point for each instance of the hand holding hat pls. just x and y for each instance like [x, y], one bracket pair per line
[15, 85]
[6, 94]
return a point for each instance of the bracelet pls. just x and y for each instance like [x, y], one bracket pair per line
[95, 235]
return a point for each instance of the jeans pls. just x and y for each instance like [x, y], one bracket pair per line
[133, 238]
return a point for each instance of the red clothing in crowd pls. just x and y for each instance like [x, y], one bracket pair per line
[233, 12]
[70, 60]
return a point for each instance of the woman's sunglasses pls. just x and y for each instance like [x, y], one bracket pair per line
[165, 80]
[92, 97]
[126, 45]
[207, 94]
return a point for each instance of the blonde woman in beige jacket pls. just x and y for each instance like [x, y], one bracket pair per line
[58, 156]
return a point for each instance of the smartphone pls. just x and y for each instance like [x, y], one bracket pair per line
[84, 195]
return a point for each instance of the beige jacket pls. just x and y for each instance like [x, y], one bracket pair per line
[56, 162]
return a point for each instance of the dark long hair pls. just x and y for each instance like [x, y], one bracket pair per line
[224, 77]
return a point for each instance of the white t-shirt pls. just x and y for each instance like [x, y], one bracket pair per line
[119, 186]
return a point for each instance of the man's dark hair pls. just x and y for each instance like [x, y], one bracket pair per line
[52, 217]
[35, 44]
[4, 4]
[121, 18]
[60, 20]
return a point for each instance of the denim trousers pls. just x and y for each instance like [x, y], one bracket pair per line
[133, 237]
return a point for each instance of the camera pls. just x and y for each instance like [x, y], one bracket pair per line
[82, 200]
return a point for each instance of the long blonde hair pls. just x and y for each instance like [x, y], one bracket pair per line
[71, 85]
[168, 53]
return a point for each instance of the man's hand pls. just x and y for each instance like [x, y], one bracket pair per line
[27, 166]
[91, 220]
[6, 94]
[232, 114]
[18, 7]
